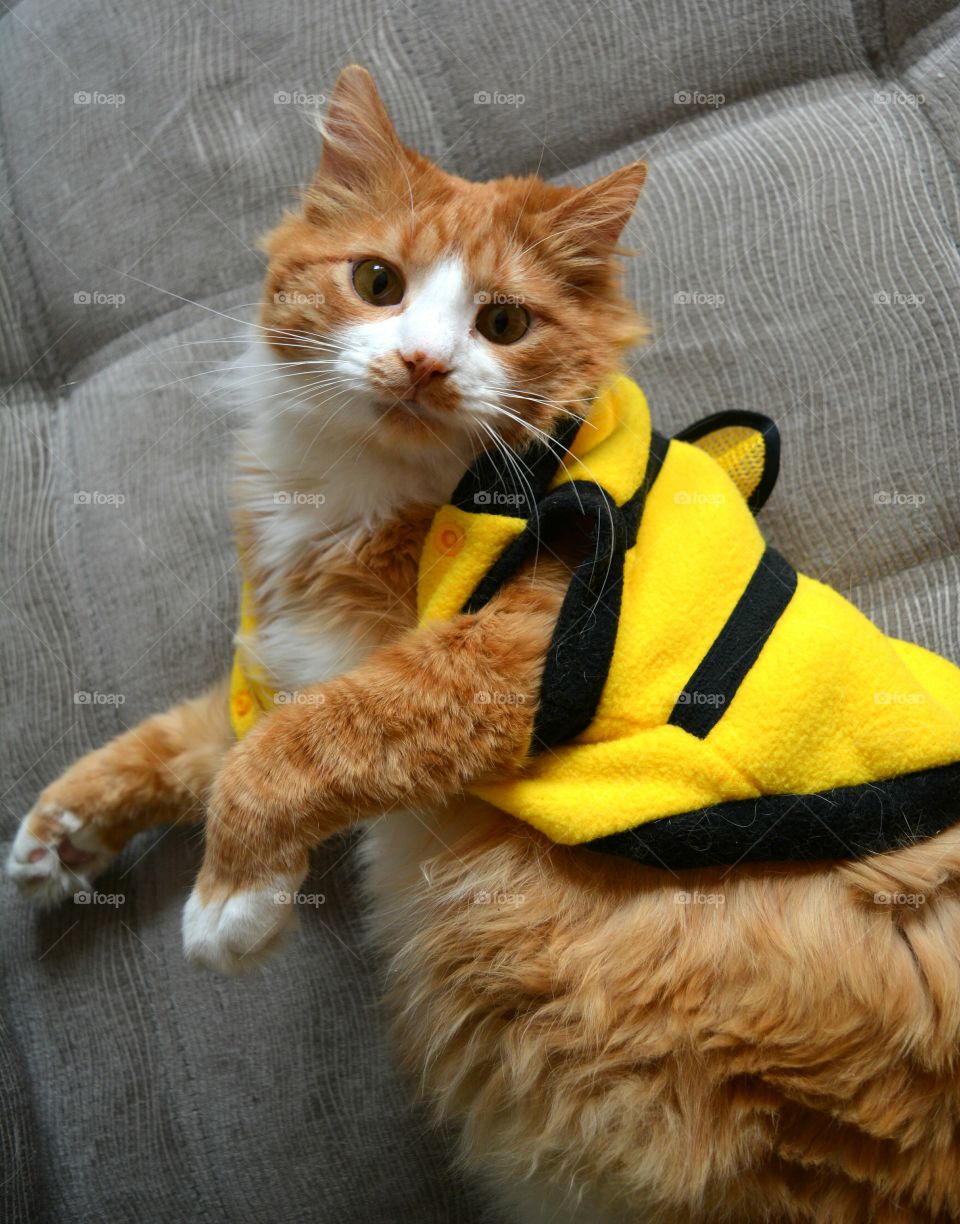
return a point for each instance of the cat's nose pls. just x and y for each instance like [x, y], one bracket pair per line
[422, 368]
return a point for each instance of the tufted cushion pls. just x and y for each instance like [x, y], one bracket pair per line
[797, 255]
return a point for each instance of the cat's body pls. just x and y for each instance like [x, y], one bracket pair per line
[614, 1042]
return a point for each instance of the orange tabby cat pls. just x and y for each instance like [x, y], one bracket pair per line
[609, 1053]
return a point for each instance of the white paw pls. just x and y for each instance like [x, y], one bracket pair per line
[54, 856]
[234, 935]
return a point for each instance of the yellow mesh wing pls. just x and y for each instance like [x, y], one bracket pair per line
[741, 451]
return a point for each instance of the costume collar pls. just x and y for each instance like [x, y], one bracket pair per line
[608, 447]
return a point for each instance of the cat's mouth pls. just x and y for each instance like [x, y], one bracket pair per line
[412, 411]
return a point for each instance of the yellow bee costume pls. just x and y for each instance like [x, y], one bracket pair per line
[702, 703]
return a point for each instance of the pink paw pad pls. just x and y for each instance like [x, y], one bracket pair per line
[71, 855]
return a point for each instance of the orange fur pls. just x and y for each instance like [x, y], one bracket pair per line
[404, 728]
[369, 586]
[546, 245]
[787, 1051]
[158, 771]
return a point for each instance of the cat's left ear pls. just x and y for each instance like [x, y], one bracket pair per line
[596, 215]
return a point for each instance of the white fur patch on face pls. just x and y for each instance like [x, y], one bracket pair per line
[438, 317]
[320, 471]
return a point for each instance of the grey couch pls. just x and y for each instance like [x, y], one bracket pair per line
[798, 255]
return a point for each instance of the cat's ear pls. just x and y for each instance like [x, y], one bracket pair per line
[360, 145]
[595, 215]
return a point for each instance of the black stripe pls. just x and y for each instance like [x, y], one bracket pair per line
[585, 635]
[581, 648]
[632, 510]
[525, 544]
[505, 566]
[848, 822]
[714, 684]
[576, 498]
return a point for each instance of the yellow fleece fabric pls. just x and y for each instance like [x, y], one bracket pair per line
[829, 702]
[250, 694]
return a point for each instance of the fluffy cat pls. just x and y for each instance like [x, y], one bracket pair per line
[607, 1052]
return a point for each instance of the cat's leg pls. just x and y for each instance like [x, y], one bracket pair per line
[159, 771]
[417, 722]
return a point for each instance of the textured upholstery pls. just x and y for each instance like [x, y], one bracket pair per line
[798, 255]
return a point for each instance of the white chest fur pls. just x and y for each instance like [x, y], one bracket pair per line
[315, 484]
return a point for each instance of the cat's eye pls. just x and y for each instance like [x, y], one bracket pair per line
[377, 282]
[503, 322]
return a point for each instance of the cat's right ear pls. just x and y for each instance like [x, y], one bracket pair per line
[360, 145]
[595, 215]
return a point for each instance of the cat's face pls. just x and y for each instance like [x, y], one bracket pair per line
[427, 309]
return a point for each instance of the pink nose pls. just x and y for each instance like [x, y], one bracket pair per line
[423, 368]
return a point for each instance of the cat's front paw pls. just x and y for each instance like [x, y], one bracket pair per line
[239, 931]
[55, 854]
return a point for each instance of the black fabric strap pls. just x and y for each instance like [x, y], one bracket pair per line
[495, 485]
[714, 684]
[578, 658]
[848, 822]
[575, 499]
[584, 637]
[506, 565]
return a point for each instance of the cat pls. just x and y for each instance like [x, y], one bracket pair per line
[606, 1052]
